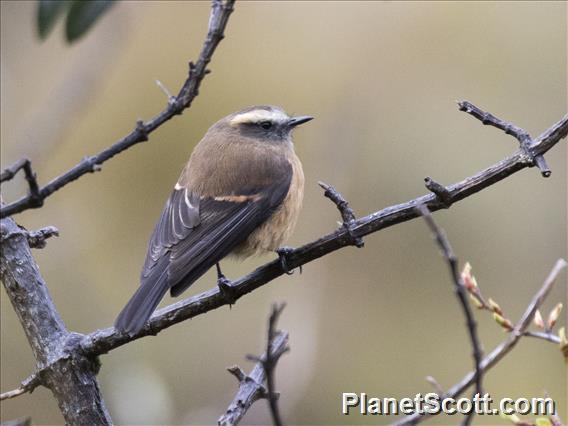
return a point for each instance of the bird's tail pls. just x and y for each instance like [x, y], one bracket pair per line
[139, 308]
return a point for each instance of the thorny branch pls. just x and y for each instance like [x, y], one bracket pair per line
[461, 294]
[500, 351]
[105, 340]
[251, 387]
[221, 10]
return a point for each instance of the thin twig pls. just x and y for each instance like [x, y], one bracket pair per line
[251, 386]
[500, 351]
[347, 214]
[38, 239]
[270, 361]
[24, 421]
[549, 337]
[525, 140]
[64, 368]
[461, 294]
[489, 119]
[105, 340]
[26, 165]
[435, 384]
[220, 13]
[27, 386]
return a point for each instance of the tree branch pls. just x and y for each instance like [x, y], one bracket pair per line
[26, 386]
[38, 239]
[61, 367]
[219, 17]
[251, 387]
[525, 140]
[105, 340]
[461, 294]
[503, 349]
[549, 337]
[25, 165]
[269, 362]
[347, 214]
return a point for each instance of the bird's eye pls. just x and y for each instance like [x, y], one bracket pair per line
[266, 125]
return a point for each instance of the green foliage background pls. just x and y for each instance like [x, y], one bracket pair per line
[381, 79]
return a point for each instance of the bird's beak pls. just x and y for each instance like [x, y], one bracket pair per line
[296, 121]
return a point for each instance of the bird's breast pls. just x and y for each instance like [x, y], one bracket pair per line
[278, 227]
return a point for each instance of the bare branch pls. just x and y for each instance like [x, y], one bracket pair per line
[24, 421]
[461, 294]
[105, 340]
[69, 375]
[251, 387]
[489, 119]
[270, 360]
[219, 17]
[500, 351]
[434, 383]
[26, 165]
[549, 337]
[38, 239]
[27, 386]
[62, 367]
[525, 140]
[347, 214]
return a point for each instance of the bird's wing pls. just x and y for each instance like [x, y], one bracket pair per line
[185, 245]
[179, 217]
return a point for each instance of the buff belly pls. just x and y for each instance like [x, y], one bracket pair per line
[278, 228]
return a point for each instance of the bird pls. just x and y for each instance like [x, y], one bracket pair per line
[240, 194]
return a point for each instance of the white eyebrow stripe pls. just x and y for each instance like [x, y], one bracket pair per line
[259, 115]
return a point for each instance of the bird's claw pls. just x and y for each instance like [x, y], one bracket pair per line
[284, 252]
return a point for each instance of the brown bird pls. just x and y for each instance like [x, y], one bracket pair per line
[240, 193]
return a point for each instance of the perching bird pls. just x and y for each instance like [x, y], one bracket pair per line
[240, 193]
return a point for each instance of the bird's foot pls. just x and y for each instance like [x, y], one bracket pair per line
[283, 253]
[227, 290]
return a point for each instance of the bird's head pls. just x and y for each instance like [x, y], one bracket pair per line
[263, 123]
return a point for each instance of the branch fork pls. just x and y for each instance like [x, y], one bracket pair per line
[526, 143]
[251, 387]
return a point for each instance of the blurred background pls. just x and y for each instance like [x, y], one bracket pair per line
[382, 79]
